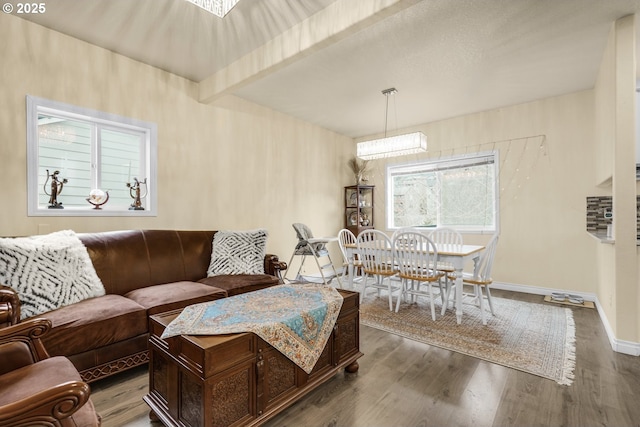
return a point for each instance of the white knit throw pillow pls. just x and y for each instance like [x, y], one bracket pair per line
[238, 252]
[48, 271]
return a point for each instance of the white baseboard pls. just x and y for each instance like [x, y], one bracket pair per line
[620, 346]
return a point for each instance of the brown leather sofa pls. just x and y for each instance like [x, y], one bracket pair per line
[38, 390]
[144, 272]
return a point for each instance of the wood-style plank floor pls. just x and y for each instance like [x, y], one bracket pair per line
[405, 383]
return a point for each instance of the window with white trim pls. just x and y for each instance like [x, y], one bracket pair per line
[73, 151]
[458, 192]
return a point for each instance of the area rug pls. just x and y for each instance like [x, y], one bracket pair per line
[534, 338]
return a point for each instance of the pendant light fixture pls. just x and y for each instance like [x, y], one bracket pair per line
[392, 146]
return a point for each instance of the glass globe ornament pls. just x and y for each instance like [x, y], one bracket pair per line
[97, 198]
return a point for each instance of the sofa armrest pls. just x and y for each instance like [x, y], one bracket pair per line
[273, 265]
[47, 407]
[9, 306]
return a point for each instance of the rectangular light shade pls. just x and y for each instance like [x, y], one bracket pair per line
[218, 7]
[392, 146]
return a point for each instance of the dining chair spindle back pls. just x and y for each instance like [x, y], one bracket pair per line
[416, 257]
[351, 264]
[446, 239]
[376, 254]
[481, 277]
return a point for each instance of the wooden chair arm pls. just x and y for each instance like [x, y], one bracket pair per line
[9, 305]
[273, 265]
[6, 314]
[47, 407]
[29, 333]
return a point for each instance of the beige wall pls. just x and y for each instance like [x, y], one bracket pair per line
[237, 167]
[604, 148]
[617, 286]
[546, 173]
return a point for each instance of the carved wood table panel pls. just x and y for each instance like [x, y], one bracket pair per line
[238, 379]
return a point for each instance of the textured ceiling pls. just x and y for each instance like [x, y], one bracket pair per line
[445, 57]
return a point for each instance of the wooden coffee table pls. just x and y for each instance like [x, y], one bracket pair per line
[238, 379]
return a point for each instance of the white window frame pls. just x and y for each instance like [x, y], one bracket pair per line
[445, 163]
[36, 105]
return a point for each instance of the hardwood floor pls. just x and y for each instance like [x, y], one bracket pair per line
[405, 383]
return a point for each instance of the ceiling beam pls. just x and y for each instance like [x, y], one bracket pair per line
[331, 25]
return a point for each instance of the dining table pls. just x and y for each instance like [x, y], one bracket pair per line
[454, 255]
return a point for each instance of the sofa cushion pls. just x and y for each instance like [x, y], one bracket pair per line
[19, 384]
[94, 323]
[238, 252]
[171, 296]
[48, 271]
[236, 284]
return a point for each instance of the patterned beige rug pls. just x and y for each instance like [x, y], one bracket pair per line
[534, 338]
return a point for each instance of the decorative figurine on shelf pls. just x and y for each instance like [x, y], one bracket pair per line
[134, 192]
[56, 189]
[98, 198]
[353, 218]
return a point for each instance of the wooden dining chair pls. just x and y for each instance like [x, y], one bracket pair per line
[480, 278]
[446, 238]
[351, 264]
[376, 254]
[416, 257]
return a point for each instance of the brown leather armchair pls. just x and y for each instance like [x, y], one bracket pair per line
[38, 390]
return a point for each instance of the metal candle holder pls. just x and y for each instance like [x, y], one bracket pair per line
[56, 189]
[134, 192]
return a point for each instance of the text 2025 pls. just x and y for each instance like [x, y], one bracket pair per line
[31, 8]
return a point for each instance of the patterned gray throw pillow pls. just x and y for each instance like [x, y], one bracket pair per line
[238, 252]
[48, 271]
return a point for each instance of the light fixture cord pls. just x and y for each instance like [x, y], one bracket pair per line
[387, 92]
[386, 115]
